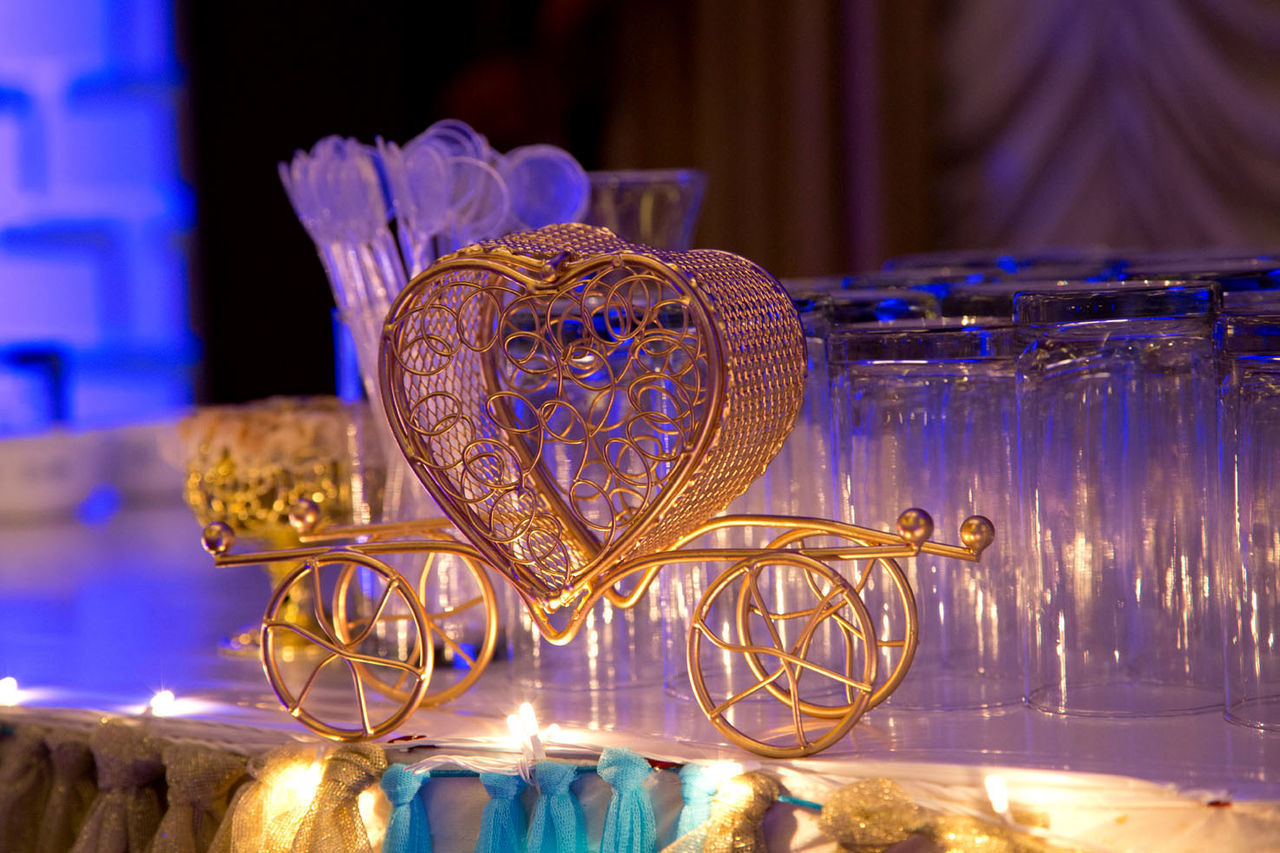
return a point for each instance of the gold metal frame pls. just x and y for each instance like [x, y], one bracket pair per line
[581, 407]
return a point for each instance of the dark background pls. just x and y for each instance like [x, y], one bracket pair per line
[834, 133]
[266, 79]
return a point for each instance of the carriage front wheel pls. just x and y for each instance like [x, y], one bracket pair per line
[326, 688]
[812, 643]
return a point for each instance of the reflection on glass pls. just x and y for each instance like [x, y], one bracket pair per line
[922, 416]
[1249, 415]
[1116, 413]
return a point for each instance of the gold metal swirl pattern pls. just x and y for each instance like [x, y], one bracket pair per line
[571, 399]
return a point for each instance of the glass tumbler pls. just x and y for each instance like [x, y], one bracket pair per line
[924, 416]
[1249, 412]
[1118, 434]
[655, 207]
[797, 483]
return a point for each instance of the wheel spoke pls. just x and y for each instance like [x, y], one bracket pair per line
[848, 681]
[309, 636]
[361, 702]
[449, 642]
[827, 610]
[377, 615]
[791, 614]
[821, 612]
[718, 711]
[754, 588]
[310, 682]
[796, 717]
[865, 576]
[345, 654]
[458, 608]
[848, 627]
[425, 575]
[784, 656]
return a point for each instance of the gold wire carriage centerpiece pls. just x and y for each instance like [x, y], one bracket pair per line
[582, 408]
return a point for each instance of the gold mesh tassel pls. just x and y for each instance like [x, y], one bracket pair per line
[964, 834]
[24, 787]
[199, 780]
[333, 821]
[266, 812]
[72, 793]
[737, 814]
[127, 811]
[871, 815]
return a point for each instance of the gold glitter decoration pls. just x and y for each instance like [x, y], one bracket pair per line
[871, 815]
[736, 824]
[248, 465]
[965, 834]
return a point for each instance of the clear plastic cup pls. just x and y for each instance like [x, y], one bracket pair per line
[1249, 413]
[1118, 437]
[654, 207]
[924, 415]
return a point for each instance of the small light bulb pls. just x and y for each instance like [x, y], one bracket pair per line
[997, 793]
[529, 718]
[163, 703]
[518, 737]
[9, 695]
[552, 732]
[725, 770]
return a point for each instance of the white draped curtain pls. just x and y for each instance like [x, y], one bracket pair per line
[1130, 123]
[840, 132]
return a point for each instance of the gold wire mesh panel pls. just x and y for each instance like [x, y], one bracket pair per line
[571, 399]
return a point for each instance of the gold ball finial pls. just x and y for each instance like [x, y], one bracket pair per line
[217, 538]
[304, 516]
[915, 526]
[977, 532]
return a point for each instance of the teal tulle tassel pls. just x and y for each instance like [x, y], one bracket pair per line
[629, 825]
[697, 787]
[558, 823]
[502, 826]
[407, 830]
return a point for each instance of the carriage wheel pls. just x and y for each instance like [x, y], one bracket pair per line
[787, 637]
[338, 649]
[478, 600]
[896, 625]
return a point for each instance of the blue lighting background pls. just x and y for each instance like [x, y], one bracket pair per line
[96, 215]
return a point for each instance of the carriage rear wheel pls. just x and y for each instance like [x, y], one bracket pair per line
[462, 623]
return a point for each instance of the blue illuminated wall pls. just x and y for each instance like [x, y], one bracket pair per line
[95, 217]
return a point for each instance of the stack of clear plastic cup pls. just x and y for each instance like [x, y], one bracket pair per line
[798, 482]
[924, 415]
[1249, 418]
[1118, 438]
